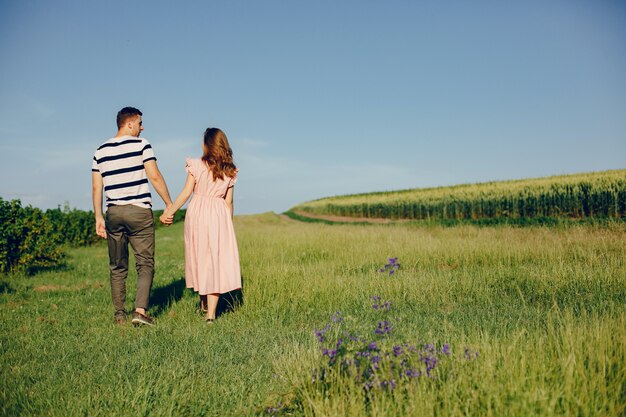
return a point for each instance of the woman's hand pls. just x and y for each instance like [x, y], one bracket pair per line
[167, 218]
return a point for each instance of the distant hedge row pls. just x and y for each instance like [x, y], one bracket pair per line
[601, 195]
[31, 239]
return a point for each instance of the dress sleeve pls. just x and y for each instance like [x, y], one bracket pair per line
[190, 167]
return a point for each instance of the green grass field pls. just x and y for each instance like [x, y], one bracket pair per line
[544, 309]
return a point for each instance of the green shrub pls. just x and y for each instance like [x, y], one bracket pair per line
[31, 239]
[27, 239]
[72, 226]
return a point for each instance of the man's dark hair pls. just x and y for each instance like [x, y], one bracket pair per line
[125, 113]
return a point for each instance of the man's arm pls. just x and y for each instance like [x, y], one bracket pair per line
[167, 217]
[157, 181]
[96, 194]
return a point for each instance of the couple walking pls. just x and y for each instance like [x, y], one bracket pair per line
[123, 166]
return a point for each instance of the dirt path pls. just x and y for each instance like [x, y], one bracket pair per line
[345, 219]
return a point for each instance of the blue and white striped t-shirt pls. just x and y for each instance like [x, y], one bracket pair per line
[120, 162]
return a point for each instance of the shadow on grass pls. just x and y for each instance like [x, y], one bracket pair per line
[60, 267]
[163, 297]
[229, 302]
[5, 288]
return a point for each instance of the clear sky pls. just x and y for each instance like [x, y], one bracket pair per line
[318, 98]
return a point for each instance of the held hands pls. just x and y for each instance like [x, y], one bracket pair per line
[167, 218]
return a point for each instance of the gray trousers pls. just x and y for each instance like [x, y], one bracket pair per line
[134, 225]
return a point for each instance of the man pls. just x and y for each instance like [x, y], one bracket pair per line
[123, 165]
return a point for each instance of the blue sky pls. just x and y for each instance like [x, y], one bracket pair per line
[317, 98]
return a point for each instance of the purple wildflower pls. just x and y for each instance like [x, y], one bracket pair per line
[371, 365]
[397, 350]
[391, 267]
[320, 334]
[388, 384]
[469, 355]
[411, 348]
[383, 328]
[375, 362]
[364, 354]
[336, 318]
[380, 305]
[431, 363]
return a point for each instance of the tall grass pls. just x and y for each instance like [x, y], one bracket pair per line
[543, 307]
[600, 194]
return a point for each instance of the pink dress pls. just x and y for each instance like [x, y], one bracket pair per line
[211, 254]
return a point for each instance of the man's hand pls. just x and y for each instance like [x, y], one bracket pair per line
[101, 229]
[166, 218]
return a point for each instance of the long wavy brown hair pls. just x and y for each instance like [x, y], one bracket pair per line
[217, 154]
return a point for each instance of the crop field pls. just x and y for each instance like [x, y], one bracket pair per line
[596, 195]
[399, 319]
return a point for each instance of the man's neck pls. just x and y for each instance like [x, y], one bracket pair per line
[122, 133]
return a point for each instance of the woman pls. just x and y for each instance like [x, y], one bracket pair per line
[211, 254]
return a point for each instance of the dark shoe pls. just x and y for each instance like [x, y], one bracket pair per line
[120, 319]
[139, 319]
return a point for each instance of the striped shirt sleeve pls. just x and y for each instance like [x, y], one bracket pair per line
[94, 165]
[147, 152]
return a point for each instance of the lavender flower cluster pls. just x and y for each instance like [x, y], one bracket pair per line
[375, 360]
[391, 267]
[379, 304]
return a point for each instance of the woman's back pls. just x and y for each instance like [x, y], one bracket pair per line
[205, 185]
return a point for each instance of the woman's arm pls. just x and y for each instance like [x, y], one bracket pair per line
[229, 200]
[168, 214]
